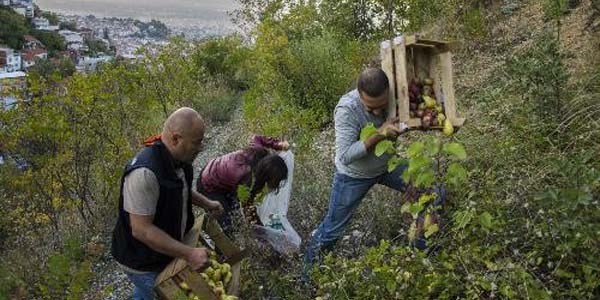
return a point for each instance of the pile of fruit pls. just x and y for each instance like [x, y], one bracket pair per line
[217, 276]
[424, 105]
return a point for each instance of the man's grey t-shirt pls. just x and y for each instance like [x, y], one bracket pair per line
[351, 156]
[141, 192]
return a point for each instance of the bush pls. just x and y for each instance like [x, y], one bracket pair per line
[284, 97]
[224, 59]
[67, 275]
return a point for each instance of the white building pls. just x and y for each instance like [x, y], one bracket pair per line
[73, 39]
[44, 24]
[5, 2]
[88, 64]
[22, 10]
[10, 59]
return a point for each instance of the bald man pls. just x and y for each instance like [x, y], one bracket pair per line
[155, 204]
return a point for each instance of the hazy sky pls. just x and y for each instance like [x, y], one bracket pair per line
[172, 12]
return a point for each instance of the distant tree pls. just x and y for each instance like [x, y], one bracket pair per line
[97, 46]
[53, 41]
[105, 33]
[12, 28]
[52, 17]
[59, 68]
[154, 29]
[68, 25]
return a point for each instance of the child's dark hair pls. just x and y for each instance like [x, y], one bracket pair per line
[268, 171]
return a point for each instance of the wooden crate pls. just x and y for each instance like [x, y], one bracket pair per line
[411, 57]
[167, 283]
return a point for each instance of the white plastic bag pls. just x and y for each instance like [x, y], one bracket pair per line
[273, 214]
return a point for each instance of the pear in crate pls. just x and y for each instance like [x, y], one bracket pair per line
[448, 128]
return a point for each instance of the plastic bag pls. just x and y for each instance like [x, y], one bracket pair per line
[272, 212]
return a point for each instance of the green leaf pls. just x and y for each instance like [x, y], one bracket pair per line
[406, 175]
[432, 146]
[426, 197]
[456, 150]
[485, 219]
[394, 162]
[367, 132]
[415, 150]
[405, 207]
[390, 285]
[243, 193]
[431, 229]
[456, 175]
[462, 218]
[383, 147]
[415, 209]
[415, 165]
[425, 179]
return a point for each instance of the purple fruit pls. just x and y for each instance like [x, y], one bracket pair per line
[414, 89]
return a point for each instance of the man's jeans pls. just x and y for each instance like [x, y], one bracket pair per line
[346, 194]
[144, 285]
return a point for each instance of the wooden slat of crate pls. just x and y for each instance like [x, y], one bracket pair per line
[197, 284]
[190, 239]
[169, 290]
[401, 82]
[387, 65]
[227, 247]
[234, 284]
[448, 89]
[436, 75]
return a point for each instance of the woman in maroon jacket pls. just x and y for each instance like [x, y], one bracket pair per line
[256, 166]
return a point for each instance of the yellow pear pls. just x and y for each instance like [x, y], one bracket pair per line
[225, 268]
[217, 275]
[219, 291]
[184, 286]
[448, 128]
[429, 102]
[227, 278]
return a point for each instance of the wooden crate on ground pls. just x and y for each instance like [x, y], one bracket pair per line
[168, 284]
[409, 60]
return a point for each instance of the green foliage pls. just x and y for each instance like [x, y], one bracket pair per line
[153, 29]
[53, 41]
[60, 68]
[474, 23]
[67, 275]
[51, 17]
[367, 132]
[12, 28]
[426, 163]
[224, 58]
[243, 193]
[283, 95]
[97, 46]
[68, 25]
[540, 77]
[554, 9]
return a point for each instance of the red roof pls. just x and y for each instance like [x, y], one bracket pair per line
[30, 55]
[30, 38]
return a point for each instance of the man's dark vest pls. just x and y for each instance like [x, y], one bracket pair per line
[125, 248]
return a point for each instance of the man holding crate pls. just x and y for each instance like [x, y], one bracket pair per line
[155, 204]
[357, 168]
